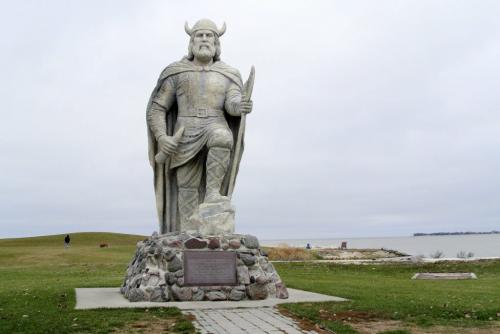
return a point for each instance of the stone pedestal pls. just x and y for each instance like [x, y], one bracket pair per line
[212, 219]
[157, 271]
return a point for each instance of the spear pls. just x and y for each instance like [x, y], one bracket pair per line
[247, 94]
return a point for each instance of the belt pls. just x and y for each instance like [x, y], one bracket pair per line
[201, 113]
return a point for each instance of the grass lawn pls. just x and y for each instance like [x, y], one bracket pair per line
[38, 277]
[385, 293]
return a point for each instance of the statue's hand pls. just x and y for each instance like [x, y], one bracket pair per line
[245, 107]
[167, 144]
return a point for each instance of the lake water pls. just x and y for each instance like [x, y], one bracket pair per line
[482, 245]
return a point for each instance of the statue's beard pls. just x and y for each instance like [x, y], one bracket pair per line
[204, 54]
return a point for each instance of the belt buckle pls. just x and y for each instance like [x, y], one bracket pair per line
[202, 112]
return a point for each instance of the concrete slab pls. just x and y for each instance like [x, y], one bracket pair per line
[93, 298]
[441, 276]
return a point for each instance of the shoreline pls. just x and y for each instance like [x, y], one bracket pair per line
[404, 259]
[449, 246]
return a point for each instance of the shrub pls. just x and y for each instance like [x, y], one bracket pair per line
[437, 254]
[284, 252]
[464, 255]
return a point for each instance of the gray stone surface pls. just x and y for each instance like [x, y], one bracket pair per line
[216, 295]
[248, 259]
[257, 291]
[281, 291]
[250, 241]
[243, 276]
[179, 262]
[202, 91]
[175, 264]
[198, 294]
[170, 278]
[234, 243]
[94, 298]
[237, 321]
[182, 293]
[212, 218]
[237, 295]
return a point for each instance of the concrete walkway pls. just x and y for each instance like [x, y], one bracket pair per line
[263, 320]
[221, 317]
[93, 298]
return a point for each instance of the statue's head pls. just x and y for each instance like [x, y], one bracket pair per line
[204, 43]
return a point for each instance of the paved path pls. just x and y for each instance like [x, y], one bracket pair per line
[262, 320]
[222, 317]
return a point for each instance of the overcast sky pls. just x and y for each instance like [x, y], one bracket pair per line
[371, 118]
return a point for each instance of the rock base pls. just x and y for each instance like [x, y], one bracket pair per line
[156, 273]
[212, 219]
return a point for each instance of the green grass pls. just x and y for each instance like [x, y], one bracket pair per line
[387, 292]
[38, 277]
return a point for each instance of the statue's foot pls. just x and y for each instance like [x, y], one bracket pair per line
[215, 197]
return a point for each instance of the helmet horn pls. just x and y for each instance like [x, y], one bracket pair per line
[222, 30]
[188, 30]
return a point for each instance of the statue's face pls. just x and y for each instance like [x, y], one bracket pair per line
[204, 45]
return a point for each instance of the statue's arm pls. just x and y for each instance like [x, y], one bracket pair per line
[161, 103]
[233, 99]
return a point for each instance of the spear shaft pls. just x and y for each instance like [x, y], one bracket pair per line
[247, 89]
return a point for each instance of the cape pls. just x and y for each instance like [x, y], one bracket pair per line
[165, 182]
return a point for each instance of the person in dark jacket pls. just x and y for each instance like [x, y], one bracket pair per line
[66, 241]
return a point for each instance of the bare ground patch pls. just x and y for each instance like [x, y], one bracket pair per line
[371, 323]
[305, 324]
[377, 326]
[152, 326]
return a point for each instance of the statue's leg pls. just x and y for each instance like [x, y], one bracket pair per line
[219, 145]
[188, 182]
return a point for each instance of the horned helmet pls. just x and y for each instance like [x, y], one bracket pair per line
[205, 24]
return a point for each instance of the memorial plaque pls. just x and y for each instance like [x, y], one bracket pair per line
[209, 268]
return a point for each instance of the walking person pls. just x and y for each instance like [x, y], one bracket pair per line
[66, 241]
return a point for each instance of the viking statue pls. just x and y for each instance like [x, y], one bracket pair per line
[193, 118]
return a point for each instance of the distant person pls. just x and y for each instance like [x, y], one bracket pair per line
[67, 239]
[308, 246]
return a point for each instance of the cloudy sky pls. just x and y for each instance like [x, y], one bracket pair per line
[371, 118]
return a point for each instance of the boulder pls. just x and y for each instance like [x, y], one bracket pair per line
[250, 241]
[181, 293]
[248, 259]
[257, 291]
[175, 264]
[281, 291]
[236, 295]
[216, 295]
[195, 243]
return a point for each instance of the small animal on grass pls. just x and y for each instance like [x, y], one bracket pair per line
[103, 245]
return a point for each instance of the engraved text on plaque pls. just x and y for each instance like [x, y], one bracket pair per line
[209, 268]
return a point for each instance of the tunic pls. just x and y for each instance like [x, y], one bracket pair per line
[201, 96]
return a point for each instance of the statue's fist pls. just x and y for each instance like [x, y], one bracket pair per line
[245, 107]
[167, 144]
